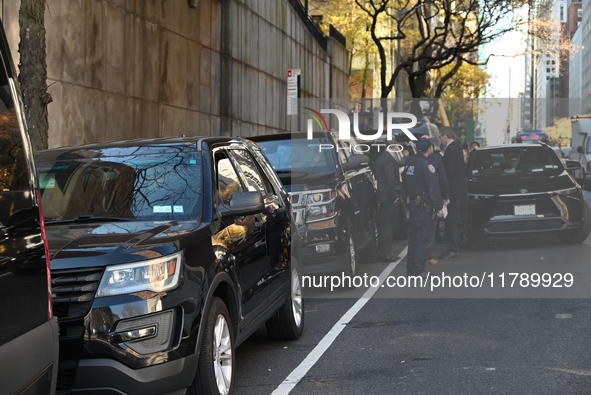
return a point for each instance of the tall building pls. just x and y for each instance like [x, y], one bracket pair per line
[575, 75]
[585, 28]
[551, 55]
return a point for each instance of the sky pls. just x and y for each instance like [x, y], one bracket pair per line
[507, 70]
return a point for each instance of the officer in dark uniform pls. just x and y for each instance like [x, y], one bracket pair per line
[420, 189]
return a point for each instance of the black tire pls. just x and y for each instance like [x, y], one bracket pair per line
[288, 322]
[370, 252]
[352, 258]
[586, 185]
[577, 236]
[215, 373]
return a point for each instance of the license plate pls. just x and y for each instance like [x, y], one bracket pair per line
[525, 209]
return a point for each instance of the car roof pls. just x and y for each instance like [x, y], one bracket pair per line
[198, 142]
[288, 136]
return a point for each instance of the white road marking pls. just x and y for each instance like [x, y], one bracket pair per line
[563, 316]
[298, 373]
[573, 371]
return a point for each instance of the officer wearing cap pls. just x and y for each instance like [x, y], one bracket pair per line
[420, 189]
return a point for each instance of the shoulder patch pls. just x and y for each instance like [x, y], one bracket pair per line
[431, 168]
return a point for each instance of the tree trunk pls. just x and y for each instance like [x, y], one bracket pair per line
[33, 70]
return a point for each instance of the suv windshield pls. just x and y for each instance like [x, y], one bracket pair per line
[163, 186]
[514, 161]
[299, 155]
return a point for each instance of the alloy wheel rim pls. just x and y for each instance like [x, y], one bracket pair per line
[352, 254]
[296, 297]
[222, 355]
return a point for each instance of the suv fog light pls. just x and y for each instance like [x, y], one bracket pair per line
[149, 333]
[322, 247]
[134, 334]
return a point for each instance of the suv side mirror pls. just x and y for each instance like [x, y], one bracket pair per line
[356, 161]
[580, 149]
[244, 203]
[572, 165]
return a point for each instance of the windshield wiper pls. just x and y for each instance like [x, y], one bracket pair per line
[88, 218]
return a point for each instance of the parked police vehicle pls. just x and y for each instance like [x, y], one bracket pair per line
[28, 329]
[333, 194]
[166, 254]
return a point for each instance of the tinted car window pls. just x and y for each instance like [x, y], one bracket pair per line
[344, 150]
[515, 161]
[228, 181]
[299, 155]
[13, 163]
[253, 178]
[160, 186]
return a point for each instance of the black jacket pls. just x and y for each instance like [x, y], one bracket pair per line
[455, 167]
[388, 178]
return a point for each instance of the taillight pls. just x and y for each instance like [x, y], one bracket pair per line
[47, 263]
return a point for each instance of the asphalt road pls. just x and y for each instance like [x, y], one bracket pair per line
[524, 336]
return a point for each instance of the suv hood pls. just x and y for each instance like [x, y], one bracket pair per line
[100, 244]
[509, 184]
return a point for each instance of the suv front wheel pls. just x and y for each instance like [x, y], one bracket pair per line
[288, 322]
[577, 236]
[350, 268]
[215, 374]
[586, 185]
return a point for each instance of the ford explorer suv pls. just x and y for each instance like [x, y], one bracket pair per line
[166, 254]
[28, 329]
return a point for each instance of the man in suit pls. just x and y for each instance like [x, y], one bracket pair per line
[455, 168]
[437, 159]
[388, 195]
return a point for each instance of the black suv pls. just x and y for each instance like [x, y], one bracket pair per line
[165, 255]
[333, 196]
[524, 188]
[28, 330]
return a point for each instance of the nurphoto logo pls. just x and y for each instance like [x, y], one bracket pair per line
[392, 123]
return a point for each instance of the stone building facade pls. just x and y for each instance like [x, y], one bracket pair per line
[122, 69]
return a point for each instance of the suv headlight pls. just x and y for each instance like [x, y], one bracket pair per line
[567, 192]
[157, 275]
[320, 205]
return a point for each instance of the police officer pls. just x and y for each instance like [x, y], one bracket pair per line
[420, 189]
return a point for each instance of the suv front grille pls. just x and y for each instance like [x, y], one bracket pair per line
[527, 225]
[73, 291]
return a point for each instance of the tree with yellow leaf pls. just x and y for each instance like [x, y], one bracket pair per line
[349, 20]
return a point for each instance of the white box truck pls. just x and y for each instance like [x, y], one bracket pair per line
[581, 151]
